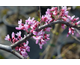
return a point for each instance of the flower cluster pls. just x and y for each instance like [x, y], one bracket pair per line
[22, 48]
[53, 14]
[31, 26]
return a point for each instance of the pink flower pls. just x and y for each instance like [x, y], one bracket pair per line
[47, 29]
[26, 46]
[20, 22]
[72, 18]
[64, 7]
[7, 38]
[40, 44]
[13, 35]
[65, 19]
[30, 21]
[53, 8]
[26, 26]
[24, 49]
[55, 13]
[19, 34]
[24, 53]
[21, 27]
[43, 41]
[37, 38]
[35, 25]
[64, 11]
[35, 33]
[48, 11]
[46, 18]
[46, 37]
[40, 33]
[63, 26]
[77, 23]
[71, 30]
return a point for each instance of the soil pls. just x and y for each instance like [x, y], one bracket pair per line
[13, 19]
[69, 51]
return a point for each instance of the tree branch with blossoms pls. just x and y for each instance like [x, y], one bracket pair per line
[43, 27]
[34, 30]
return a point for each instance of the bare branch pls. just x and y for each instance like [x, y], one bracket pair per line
[5, 47]
[17, 54]
[9, 49]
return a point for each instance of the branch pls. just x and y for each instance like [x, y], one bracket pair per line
[75, 38]
[9, 49]
[17, 54]
[42, 27]
[5, 47]
[21, 41]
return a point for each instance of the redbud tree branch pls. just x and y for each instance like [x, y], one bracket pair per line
[42, 27]
[12, 46]
[9, 49]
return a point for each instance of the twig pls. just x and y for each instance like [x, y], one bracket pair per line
[75, 38]
[17, 54]
[78, 31]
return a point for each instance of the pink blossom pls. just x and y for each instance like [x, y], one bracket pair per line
[71, 30]
[63, 26]
[30, 21]
[40, 36]
[77, 23]
[40, 44]
[35, 25]
[7, 38]
[40, 33]
[53, 8]
[13, 35]
[20, 22]
[26, 46]
[24, 53]
[55, 13]
[20, 27]
[47, 29]
[17, 48]
[48, 11]
[65, 19]
[37, 38]
[43, 41]
[46, 18]
[35, 33]
[19, 34]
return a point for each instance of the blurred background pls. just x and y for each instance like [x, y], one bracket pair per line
[58, 47]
